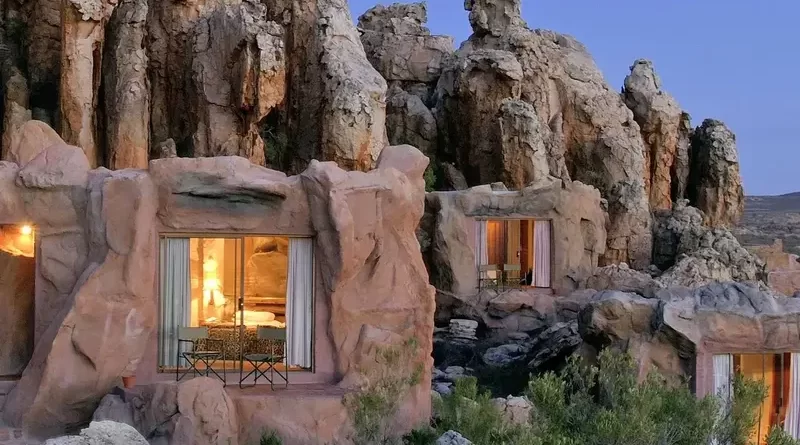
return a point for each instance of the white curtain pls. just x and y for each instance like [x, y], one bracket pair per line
[481, 247]
[792, 425]
[723, 383]
[299, 302]
[175, 297]
[541, 253]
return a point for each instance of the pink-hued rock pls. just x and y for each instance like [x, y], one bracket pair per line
[29, 140]
[207, 416]
[366, 225]
[104, 325]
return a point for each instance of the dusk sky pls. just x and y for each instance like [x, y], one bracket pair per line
[735, 60]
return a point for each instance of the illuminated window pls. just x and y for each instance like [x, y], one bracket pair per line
[780, 375]
[233, 286]
[513, 253]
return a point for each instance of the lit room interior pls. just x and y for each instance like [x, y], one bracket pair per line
[214, 271]
[516, 251]
[775, 371]
[17, 275]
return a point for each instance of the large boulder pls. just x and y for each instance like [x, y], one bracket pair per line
[694, 255]
[715, 185]
[102, 433]
[668, 331]
[580, 118]
[665, 130]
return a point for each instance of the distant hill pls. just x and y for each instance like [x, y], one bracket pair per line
[769, 217]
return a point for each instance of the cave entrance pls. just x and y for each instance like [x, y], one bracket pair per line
[17, 275]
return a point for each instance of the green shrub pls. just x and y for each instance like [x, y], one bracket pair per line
[606, 405]
[777, 436]
[430, 178]
[374, 407]
[270, 438]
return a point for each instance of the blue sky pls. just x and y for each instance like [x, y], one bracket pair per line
[737, 61]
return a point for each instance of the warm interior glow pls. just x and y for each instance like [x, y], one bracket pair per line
[17, 240]
[773, 371]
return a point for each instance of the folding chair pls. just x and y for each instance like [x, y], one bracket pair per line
[512, 275]
[276, 338]
[204, 350]
[488, 275]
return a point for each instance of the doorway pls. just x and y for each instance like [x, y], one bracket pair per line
[17, 276]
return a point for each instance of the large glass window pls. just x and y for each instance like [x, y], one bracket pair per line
[234, 285]
[17, 273]
[781, 376]
[513, 252]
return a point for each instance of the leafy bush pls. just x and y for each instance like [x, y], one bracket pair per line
[373, 408]
[778, 436]
[605, 405]
[270, 438]
[430, 178]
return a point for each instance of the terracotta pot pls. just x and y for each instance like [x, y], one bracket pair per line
[129, 382]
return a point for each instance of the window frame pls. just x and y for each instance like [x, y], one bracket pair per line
[241, 237]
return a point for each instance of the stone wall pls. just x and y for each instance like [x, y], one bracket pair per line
[783, 269]
[99, 239]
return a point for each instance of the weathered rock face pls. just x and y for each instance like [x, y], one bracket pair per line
[783, 269]
[127, 104]
[83, 24]
[332, 84]
[665, 130]
[668, 331]
[715, 186]
[210, 75]
[121, 223]
[580, 118]
[377, 239]
[578, 223]
[694, 255]
[399, 45]
[102, 433]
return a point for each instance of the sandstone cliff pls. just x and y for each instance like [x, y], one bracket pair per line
[275, 82]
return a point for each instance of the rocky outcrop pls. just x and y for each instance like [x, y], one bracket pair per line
[668, 331]
[332, 85]
[694, 255]
[783, 269]
[578, 223]
[127, 87]
[83, 25]
[580, 118]
[622, 278]
[715, 186]
[665, 129]
[402, 49]
[102, 433]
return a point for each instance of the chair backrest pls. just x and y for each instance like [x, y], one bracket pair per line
[488, 267]
[268, 333]
[187, 333]
[511, 267]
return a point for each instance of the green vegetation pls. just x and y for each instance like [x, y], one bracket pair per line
[276, 144]
[430, 178]
[270, 438]
[373, 408]
[604, 405]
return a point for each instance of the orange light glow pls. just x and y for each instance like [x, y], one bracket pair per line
[26, 230]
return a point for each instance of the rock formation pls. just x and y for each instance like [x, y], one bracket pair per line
[102, 433]
[665, 130]
[580, 119]
[676, 329]
[273, 83]
[715, 186]
[402, 49]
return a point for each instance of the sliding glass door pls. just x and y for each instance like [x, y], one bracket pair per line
[232, 286]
